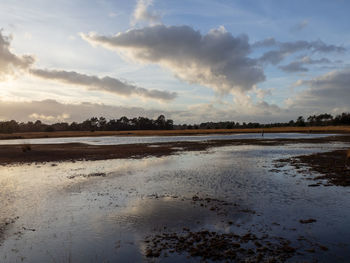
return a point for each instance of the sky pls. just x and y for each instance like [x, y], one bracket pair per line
[193, 61]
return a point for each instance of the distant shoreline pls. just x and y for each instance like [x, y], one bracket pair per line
[60, 134]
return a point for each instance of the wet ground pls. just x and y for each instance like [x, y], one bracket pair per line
[330, 168]
[232, 200]
[120, 140]
[29, 153]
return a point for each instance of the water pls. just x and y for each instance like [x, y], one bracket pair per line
[115, 140]
[105, 219]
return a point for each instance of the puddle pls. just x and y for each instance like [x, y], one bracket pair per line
[103, 211]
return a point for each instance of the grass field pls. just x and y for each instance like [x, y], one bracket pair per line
[32, 135]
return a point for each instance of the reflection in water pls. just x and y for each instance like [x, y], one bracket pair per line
[115, 140]
[96, 219]
[174, 213]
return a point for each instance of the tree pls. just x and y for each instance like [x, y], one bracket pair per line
[101, 123]
[300, 121]
[312, 119]
[160, 122]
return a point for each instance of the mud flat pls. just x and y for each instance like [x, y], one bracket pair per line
[222, 201]
[326, 168]
[10, 154]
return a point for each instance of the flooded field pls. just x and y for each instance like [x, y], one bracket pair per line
[117, 140]
[154, 209]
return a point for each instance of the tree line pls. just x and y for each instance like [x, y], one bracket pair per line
[161, 123]
[314, 120]
[92, 124]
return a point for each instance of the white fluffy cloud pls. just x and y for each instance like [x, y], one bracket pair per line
[9, 62]
[49, 118]
[143, 14]
[217, 60]
[106, 84]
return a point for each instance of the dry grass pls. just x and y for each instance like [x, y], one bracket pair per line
[31, 135]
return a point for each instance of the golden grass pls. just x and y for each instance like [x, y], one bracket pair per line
[32, 135]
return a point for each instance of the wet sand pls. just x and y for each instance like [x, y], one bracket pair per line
[11, 154]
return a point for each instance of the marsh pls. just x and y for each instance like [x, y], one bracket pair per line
[123, 209]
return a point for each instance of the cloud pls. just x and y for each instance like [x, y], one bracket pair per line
[106, 84]
[324, 93]
[53, 111]
[142, 14]
[9, 62]
[267, 42]
[113, 14]
[298, 65]
[284, 49]
[50, 111]
[300, 26]
[273, 57]
[209, 112]
[217, 60]
[262, 93]
[49, 118]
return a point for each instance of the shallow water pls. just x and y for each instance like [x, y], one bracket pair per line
[115, 140]
[65, 216]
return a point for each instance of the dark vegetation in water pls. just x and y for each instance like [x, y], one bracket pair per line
[333, 168]
[232, 245]
[4, 224]
[26, 147]
[87, 175]
[209, 245]
[219, 206]
[307, 221]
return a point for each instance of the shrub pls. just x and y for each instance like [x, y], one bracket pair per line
[26, 147]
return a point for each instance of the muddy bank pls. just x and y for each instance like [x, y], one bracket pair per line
[10, 154]
[333, 166]
[56, 134]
